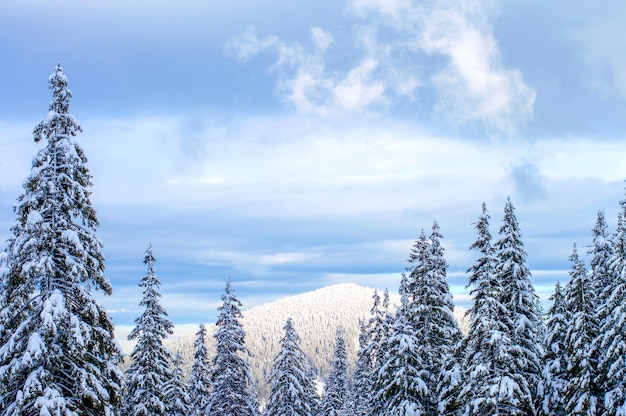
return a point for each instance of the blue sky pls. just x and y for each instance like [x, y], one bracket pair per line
[292, 145]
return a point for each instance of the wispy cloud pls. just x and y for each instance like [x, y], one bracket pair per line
[305, 80]
[385, 50]
[474, 85]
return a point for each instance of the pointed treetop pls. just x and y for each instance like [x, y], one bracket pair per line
[601, 226]
[418, 251]
[58, 123]
[149, 258]
[376, 304]
[61, 94]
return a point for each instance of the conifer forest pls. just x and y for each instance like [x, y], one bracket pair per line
[58, 354]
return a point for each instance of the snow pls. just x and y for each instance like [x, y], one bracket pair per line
[34, 217]
[71, 236]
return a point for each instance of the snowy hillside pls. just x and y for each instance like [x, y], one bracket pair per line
[316, 316]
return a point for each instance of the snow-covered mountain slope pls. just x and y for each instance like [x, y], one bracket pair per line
[316, 316]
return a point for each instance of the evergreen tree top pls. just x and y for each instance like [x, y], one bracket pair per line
[483, 242]
[231, 306]
[511, 236]
[558, 300]
[58, 123]
[153, 321]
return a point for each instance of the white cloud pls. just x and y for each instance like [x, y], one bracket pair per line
[306, 82]
[355, 196]
[258, 264]
[248, 44]
[474, 85]
[295, 166]
[386, 65]
[358, 91]
[394, 8]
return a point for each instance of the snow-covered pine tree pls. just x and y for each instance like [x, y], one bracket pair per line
[581, 395]
[430, 310]
[601, 251]
[177, 401]
[232, 383]
[149, 371]
[402, 380]
[337, 388]
[363, 374]
[489, 384]
[522, 304]
[555, 360]
[199, 381]
[378, 330]
[613, 329]
[57, 353]
[292, 390]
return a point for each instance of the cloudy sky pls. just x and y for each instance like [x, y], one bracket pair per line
[292, 144]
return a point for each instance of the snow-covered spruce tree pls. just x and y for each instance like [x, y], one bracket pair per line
[581, 394]
[177, 401]
[601, 251]
[555, 359]
[377, 333]
[199, 381]
[232, 392]
[613, 329]
[430, 310]
[401, 381]
[149, 371]
[57, 353]
[487, 384]
[292, 390]
[522, 304]
[363, 374]
[336, 390]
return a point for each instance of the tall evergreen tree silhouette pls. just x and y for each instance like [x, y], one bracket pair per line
[149, 373]
[57, 354]
[233, 390]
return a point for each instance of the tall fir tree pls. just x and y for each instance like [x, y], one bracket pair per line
[200, 375]
[488, 383]
[613, 329]
[430, 310]
[233, 389]
[553, 376]
[149, 371]
[177, 401]
[378, 330]
[601, 251]
[363, 375]
[292, 391]
[335, 401]
[524, 310]
[402, 380]
[581, 395]
[57, 353]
